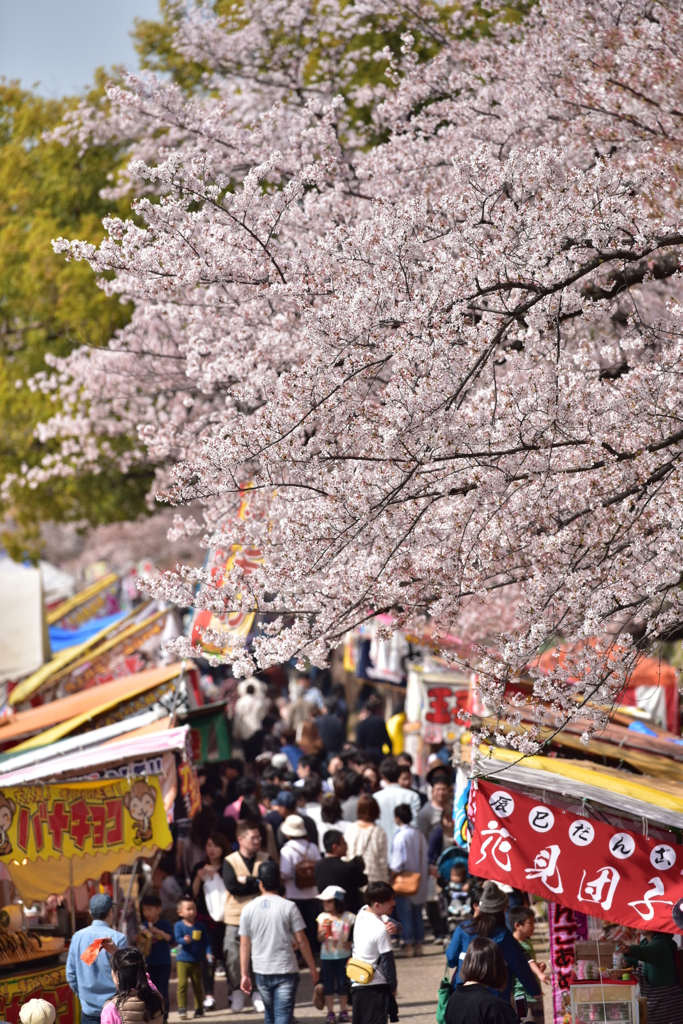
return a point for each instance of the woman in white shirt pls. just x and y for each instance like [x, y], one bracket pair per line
[366, 839]
[300, 852]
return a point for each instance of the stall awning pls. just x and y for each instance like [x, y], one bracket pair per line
[642, 796]
[87, 604]
[648, 763]
[52, 721]
[119, 751]
[11, 761]
[62, 659]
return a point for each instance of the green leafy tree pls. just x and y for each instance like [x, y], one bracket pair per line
[48, 306]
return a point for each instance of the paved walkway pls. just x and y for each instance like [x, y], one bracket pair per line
[418, 985]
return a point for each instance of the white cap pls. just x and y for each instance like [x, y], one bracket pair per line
[333, 892]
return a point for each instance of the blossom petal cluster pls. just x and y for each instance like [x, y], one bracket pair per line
[431, 318]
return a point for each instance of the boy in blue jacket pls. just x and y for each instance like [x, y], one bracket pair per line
[193, 943]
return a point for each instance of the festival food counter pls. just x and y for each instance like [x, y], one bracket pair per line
[38, 981]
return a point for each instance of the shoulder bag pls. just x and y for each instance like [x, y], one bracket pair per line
[406, 883]
[359, 971]
[215, 895]
[443, 996]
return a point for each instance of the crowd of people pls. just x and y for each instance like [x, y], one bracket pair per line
[317, 851]
[311, 850]
[308, 848]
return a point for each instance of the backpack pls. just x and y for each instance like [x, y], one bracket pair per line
[304, 873]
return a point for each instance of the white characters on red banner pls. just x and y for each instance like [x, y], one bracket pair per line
[545, 868]
[498, 839]
[581, 833]
[648, 899]
[601, 890]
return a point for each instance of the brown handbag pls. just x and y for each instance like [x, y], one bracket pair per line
[304, 873]
[406, 883]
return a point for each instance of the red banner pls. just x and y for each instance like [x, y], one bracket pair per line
[587, 865]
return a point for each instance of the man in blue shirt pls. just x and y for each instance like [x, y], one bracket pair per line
[93, 984]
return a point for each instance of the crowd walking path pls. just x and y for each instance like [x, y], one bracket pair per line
[418, 986]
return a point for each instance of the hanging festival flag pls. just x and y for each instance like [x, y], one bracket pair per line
[587, 865]
[235, 624]
[565, 927]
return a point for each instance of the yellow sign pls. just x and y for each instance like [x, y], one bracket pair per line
[50, 833]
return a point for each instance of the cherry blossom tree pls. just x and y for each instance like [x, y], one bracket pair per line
[432, 318]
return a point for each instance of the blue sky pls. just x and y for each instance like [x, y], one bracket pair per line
[59, 43]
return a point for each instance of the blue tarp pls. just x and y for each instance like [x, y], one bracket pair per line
[643, 729]
[61, 638]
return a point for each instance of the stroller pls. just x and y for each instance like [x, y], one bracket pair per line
[453, 901]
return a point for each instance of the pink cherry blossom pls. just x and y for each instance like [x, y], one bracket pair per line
[442, 341]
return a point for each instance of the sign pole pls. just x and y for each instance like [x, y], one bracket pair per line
[73, 896]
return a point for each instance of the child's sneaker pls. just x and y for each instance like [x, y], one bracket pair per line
[182, 1013]
[331, 1017]
[344, 1017]
[199, 1013]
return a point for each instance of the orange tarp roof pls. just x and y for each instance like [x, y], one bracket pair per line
[26, 723]
[648, 671]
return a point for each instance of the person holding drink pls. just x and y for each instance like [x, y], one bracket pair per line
[334, 934]
[193, 944]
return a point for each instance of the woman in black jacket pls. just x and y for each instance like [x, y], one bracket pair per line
[483, 968]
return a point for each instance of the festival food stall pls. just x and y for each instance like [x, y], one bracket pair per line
[598, 845]
[86, 807]
[53, 838]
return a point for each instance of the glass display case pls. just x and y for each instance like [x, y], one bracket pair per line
[609, 1001]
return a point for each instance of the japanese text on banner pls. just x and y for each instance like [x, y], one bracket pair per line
[40, 822]
[590, 866]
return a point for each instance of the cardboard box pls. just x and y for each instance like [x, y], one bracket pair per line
[600, 953]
